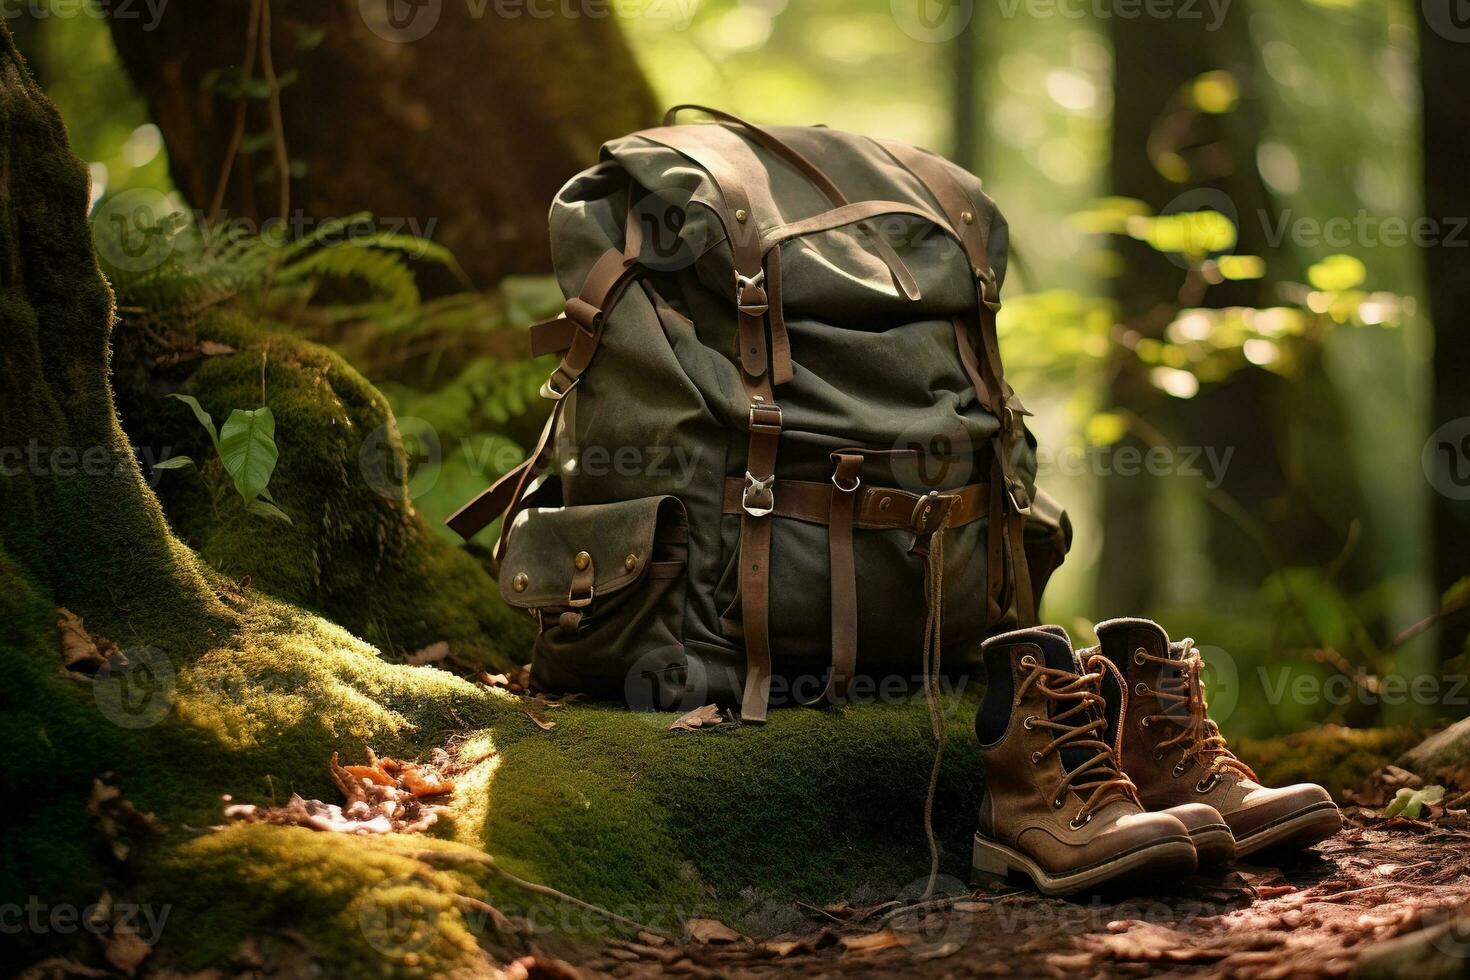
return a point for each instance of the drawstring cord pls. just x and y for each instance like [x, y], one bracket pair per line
[933, 646]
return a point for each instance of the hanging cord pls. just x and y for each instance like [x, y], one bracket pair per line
[933, 646]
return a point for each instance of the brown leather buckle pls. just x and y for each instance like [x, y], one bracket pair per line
[765, 418]
[931, 512]
[759, 497]
[750, 294]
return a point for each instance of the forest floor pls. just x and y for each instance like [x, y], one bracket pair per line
[1328, 912]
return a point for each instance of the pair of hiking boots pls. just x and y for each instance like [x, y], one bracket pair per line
[1103, 764]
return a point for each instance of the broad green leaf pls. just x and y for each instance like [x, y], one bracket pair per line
[265, 509]
[247, 447]
[202, 416]
[173, 463]
[1411, 802]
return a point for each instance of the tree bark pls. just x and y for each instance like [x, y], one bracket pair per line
[77, 515]
[462, 135]
[1444, 79]
[1154, 58]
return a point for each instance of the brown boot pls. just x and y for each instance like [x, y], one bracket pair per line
[1056, 806]
[1158, 725]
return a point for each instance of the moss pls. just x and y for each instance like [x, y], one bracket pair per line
[1336, 757]
[356, 551]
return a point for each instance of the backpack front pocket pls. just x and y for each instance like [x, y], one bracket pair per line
[606, 585]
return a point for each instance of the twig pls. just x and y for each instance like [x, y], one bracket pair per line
[486, 861]
[278, 126]
[238, 133]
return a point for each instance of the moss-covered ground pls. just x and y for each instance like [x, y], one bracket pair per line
[607, 805]
[356, 550]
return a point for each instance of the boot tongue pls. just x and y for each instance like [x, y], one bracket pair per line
[1056, 650]
[1118, 639]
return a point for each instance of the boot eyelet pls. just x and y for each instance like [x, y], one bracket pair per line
[1079, 822]
[1028, 661]
[1208, 783]
[1029, 722]
[1145, 722]
[1181, 768]
[1058, 804]
[1035, 758]
[1140, 689]
[1138, 656]
[1158, 757]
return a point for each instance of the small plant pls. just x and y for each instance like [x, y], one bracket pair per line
[246, 446]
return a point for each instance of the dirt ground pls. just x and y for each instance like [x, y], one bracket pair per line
[1323, 913]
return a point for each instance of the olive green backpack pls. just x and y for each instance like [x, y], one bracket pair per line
[783, 465]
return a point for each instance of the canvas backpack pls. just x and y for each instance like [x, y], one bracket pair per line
[782, 465]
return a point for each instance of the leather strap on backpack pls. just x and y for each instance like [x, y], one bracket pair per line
[1011, 503]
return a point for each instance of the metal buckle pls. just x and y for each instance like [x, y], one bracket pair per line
[857, 481]
[550, 391]
[1016, 493]
[926, 507]
[757, 488]
[757, 282]
[579, 602]
[765, 417]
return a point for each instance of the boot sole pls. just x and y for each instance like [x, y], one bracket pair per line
[1301, 829]
[1214, 844]
[1165, 857]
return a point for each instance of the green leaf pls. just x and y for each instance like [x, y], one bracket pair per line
[267, 510]
[247, 447]
[173, 463]
[202, 416]
[1411, 802]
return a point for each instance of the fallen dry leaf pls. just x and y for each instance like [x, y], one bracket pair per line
[542, 722]
[81, 652]
[538, 966]
[371, 773]
[118, 818]
[124, 950]
[872, 942]
[706, 717]
[423, 782]
[432, 654]
[711, 931]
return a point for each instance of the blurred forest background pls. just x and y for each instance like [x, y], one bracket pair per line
[1236, 339]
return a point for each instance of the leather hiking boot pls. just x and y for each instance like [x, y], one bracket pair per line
[1159, 727]
[1056, 806]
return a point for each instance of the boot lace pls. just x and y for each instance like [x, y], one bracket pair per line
[1181, 692]
[1078, 724]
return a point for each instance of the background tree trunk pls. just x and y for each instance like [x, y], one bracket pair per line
[1444, 79]
[447, 132]
[1154, 58]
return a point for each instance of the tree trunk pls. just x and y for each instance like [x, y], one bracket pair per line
[1154, 58]
[1444, 78]
[462, 135]
[78, 517]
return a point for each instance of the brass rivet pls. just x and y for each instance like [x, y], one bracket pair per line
[740, 215]
[968, 217]
[630, 562]
[582, 561]
[520, 582]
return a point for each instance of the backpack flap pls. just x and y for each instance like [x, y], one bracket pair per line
[570, 557]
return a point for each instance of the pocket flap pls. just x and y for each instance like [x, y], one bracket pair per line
[618, 539]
